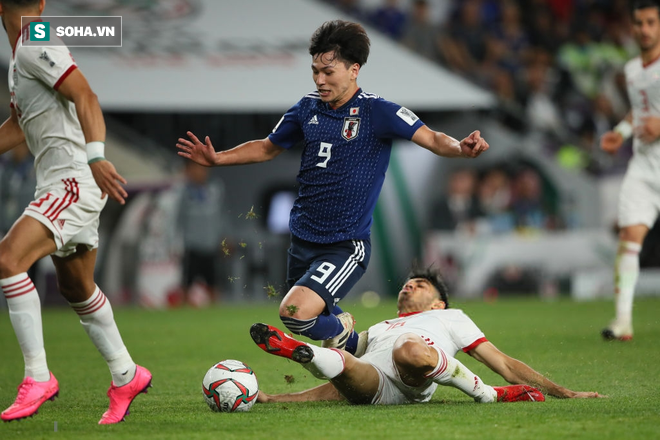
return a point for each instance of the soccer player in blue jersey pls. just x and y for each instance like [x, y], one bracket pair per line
[347, 136]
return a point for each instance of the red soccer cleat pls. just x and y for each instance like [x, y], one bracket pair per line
[274, 341]
[519, 393]
[31, 394]
[122, 397]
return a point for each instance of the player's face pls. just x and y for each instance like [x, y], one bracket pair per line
[335, 82]
[418, 295]
[646, 28]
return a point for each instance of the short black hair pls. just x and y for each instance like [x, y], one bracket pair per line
[348, 40]
[643, 4]
[19, 4]
[433, 276]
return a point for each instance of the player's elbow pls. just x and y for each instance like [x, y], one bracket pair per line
[269, 151]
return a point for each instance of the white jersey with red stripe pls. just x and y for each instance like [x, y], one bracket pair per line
[49, 121]
[451, 329]
[643, 83]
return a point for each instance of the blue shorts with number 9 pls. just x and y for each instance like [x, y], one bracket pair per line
[330, 270]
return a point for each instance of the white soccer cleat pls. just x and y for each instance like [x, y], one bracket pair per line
[618, 330]
[341, 339]
[363, 340]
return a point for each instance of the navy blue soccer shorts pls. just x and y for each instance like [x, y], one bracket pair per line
[330, 270]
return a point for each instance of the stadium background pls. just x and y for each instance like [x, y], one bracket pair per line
[541, 95]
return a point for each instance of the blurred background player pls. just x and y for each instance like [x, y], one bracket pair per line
[54, 110]
[403, 360]
[202, 224]
[17, 183]
[639, 199]
[347, 137]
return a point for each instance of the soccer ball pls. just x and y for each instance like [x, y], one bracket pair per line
[230, 386]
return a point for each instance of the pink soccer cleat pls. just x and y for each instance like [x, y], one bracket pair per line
[122, 397]
[31, 394]
[519, 393]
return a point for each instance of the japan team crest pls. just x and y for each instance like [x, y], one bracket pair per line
[350, 129]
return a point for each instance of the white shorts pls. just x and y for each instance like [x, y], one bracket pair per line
[70, 209]
[639, 201]
[391, 389]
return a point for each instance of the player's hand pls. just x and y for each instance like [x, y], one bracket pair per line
[586, 395]
[473, 145]
[108, 179]
[649, 130]
[263, 397]
[195, 150]
[611, 141]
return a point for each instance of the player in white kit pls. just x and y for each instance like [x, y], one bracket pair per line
[639, 199]
[406, 358]
[54, 110]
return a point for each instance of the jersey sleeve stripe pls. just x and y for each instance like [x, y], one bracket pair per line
[64, 76]
[474, 345]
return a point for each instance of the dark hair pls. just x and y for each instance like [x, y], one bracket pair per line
[349, 41]
[432, 276]
[643, 4]
[19, 4]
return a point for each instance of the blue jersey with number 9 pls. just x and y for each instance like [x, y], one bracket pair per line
[346, 153]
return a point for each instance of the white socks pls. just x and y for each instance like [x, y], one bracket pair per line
[327, 363]
[450, 371]
[626, 272]
[25, 316]
[98, 321]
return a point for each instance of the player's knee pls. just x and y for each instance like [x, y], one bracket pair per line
[8, 265]
[411, 353]
[297, 310]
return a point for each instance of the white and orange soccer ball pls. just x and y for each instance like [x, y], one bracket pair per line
[230, 386]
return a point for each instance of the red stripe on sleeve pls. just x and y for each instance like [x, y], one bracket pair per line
[474, 344]
[64, 75]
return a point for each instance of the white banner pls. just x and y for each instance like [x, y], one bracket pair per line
[240, 56]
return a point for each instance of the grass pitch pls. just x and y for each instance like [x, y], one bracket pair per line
[559, 339]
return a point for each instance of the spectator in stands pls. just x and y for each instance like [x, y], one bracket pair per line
[203, 225]
[514, 38]
[420, 32]
[463, 45]
[389, 19]
[528, 206]
[460, 208]
[541, 110]
[494, 194]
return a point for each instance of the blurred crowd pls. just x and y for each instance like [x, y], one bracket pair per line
[554, 65]
[498, 200]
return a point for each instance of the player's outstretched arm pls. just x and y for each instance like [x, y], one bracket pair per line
[517, 372]
[446, 146]
[76, 89]
[11, 134]
[260, 150]
[327, 391]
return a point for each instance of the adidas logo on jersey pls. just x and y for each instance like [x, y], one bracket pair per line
[60, 223]
[314, 120]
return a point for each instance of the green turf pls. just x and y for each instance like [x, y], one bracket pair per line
[560, 339]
